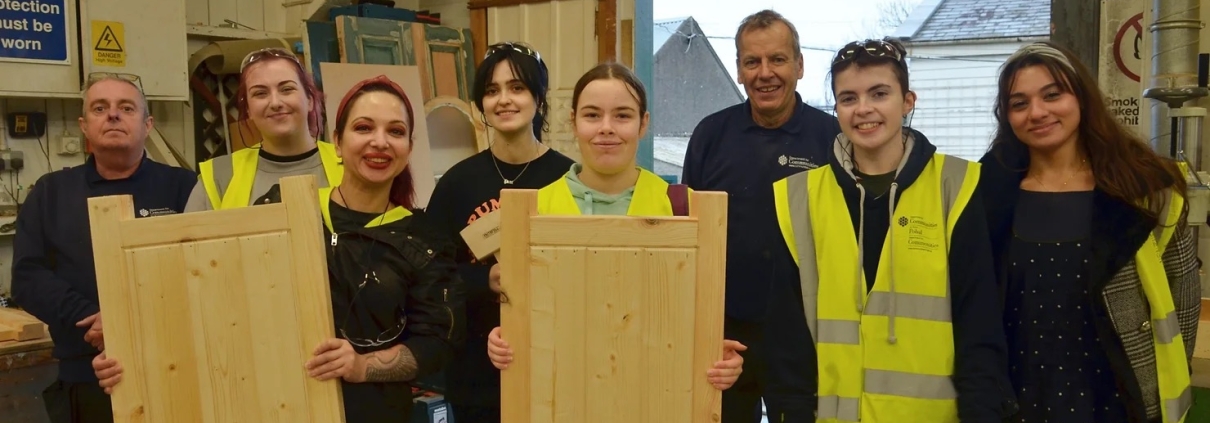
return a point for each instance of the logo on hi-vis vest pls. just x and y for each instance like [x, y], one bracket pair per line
[922, 234]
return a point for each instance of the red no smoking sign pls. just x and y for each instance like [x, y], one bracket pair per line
[1127, 51]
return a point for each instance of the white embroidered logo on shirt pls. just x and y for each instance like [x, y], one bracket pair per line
[796, 162]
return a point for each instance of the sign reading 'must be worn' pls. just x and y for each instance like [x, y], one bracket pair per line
[34, 31]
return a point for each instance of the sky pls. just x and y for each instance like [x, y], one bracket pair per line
[822, 25]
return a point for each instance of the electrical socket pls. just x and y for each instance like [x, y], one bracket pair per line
[69, 145]
[12, 160]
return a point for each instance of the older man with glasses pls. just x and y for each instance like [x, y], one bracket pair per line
[53, 276]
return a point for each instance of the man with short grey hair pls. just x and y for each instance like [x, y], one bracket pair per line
[53, 276]
[743, 150]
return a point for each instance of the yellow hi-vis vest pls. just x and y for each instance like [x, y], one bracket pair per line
[243, 175]
[1171, 364]
[886, 356]
[650, 198]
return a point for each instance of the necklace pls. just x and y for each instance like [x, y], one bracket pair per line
[510, 181]
[1071, 176]
[346, 201]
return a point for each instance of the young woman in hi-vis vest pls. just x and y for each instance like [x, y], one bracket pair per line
[277, 99]
[1095, 258]
[893, 316]
[609, 115]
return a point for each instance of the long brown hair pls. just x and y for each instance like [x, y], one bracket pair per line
[1123, 165]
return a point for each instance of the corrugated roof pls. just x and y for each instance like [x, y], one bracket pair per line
[954, 20]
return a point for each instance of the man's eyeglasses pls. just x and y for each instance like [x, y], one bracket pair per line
[519, 48]
[267, 52]
[383, 338]
[94, 77]
[876, 48]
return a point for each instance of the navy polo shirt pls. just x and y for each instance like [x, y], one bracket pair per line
[729, 152]
[53, 274]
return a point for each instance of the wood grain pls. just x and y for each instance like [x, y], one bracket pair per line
[515, 382]
[213, 324]
[710, 210]
[182, 228]
[607, 231]
[616, 320]
[27, 327]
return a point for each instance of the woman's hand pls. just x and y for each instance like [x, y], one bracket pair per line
[335, 358]
[498, 350]
[727, 371]
[108, 371]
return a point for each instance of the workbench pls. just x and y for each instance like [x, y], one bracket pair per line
[26, 368]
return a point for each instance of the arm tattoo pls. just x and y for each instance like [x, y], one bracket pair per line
[391, 365]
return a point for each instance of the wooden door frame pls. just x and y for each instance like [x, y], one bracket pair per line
[606, 25]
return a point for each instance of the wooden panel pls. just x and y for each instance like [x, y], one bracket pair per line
[197, 12]
[669, 287]
[445, 61]
[618, 330]
[515, 392]
[608, 231]
[320, 44]
[710, 210]
[613, 374]
[214, 325]
[570, 306]
[159, 290]
[375, 41]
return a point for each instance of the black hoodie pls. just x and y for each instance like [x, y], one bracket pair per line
[980, 373]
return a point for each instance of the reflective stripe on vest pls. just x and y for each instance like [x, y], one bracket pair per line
[1172, 366]
[650, 197]
[887, 356]
[238, 192]
[325, 201]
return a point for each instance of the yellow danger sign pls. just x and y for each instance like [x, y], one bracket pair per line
[108, 41]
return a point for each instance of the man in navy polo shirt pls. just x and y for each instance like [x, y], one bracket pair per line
[53, 274]
[742, 150]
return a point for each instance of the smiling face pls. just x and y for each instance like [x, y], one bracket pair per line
[609, 125]
[1043, 114]
[870, 105]
[509, 105]
[376, 141]
[114, 118]
[277, 103]
[769, 68]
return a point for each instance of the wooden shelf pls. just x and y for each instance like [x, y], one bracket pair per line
[219, 32]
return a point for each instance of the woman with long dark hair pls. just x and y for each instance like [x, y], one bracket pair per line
[511, 92]
[1095, 259]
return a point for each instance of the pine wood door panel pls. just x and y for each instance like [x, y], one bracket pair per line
[213, 314]
[614, 321]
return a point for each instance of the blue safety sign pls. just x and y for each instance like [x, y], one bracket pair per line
[34, 31]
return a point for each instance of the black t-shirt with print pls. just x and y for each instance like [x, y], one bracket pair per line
[468, 191]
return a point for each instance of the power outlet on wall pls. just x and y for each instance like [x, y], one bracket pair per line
[69, 145]
[12, 160]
